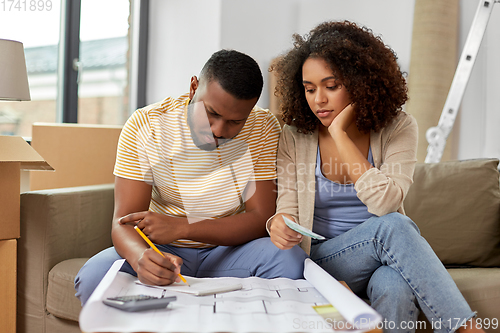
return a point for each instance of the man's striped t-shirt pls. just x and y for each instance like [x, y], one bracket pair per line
[156, 147]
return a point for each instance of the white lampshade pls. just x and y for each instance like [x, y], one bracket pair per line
[13, 76]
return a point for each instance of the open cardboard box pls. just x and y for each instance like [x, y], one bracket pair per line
[15, 155]
[82, 154]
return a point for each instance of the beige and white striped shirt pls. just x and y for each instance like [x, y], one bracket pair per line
[155, 146]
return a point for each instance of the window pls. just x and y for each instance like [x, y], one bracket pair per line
[36, 25]
[93, 75]
[104, 45]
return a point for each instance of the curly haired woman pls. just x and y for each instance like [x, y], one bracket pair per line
[345, 163]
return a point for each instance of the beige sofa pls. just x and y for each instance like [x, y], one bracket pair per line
[60, 229]
[455, 204]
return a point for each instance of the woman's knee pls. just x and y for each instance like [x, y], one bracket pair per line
[386, 283]
[395, 222]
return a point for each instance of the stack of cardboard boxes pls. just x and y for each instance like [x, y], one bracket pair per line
[15, 155]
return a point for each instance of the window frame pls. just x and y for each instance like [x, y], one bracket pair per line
[69, 54]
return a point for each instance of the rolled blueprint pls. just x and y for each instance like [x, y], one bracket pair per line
[351, 307]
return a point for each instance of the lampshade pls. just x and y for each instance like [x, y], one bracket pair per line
[13, 75]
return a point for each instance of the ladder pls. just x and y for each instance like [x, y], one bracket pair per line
[436, 136]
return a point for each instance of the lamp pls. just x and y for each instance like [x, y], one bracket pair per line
[13, 76]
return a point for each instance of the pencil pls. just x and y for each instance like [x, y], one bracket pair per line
[156, 249]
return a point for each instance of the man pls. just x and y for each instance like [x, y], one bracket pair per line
[196, 175]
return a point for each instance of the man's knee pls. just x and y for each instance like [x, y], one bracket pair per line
[280, 263]
[91, 274]
[294, 257]
[86, 281]
[291, 262]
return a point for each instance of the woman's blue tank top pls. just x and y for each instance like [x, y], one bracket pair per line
[337, 207]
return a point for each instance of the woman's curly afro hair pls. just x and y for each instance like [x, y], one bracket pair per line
[367, 68]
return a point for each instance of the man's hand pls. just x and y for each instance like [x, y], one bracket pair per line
[160, 228]
[156, 270]
[281, 235]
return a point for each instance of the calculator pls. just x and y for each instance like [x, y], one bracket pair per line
[134, 303]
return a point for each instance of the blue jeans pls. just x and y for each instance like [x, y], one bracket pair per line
[256, 258]
[386, 260]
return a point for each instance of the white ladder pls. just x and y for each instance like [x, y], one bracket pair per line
[436, 136]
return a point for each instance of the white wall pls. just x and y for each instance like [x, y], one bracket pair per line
[260, 28]
[479, 115]
[391, 19]
[183, 34]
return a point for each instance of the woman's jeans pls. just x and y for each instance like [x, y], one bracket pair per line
[386, 259]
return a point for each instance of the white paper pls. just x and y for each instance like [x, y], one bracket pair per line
[262, 305]
[199, 287]
[351, 307]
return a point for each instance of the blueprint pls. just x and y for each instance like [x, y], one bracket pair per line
[261, 305]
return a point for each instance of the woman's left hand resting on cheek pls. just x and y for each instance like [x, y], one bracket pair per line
[160, 228]
[281, 235]
[343, 120]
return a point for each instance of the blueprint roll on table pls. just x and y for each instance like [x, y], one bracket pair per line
[350, 306]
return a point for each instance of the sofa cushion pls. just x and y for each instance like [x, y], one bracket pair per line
[61, 299]
[481, 289]
[456, 205]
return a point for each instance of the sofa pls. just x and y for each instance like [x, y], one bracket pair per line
[60, 230]
[455, 204]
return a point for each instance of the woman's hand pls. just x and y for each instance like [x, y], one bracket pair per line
[156, 270]
[281, 235]
[160, 228]
[343, 120]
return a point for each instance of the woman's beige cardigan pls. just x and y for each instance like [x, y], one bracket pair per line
[382, 188]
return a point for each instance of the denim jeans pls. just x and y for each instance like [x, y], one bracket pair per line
[386, 260]
[259, 257]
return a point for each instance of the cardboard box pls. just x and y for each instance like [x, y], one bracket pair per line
[15, 155]
[8, 263]
[81, 154]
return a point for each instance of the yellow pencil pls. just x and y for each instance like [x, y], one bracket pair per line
[156, 249]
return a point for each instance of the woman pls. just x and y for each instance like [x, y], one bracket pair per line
[345, 163]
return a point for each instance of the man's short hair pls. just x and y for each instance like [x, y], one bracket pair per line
[237, 73]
